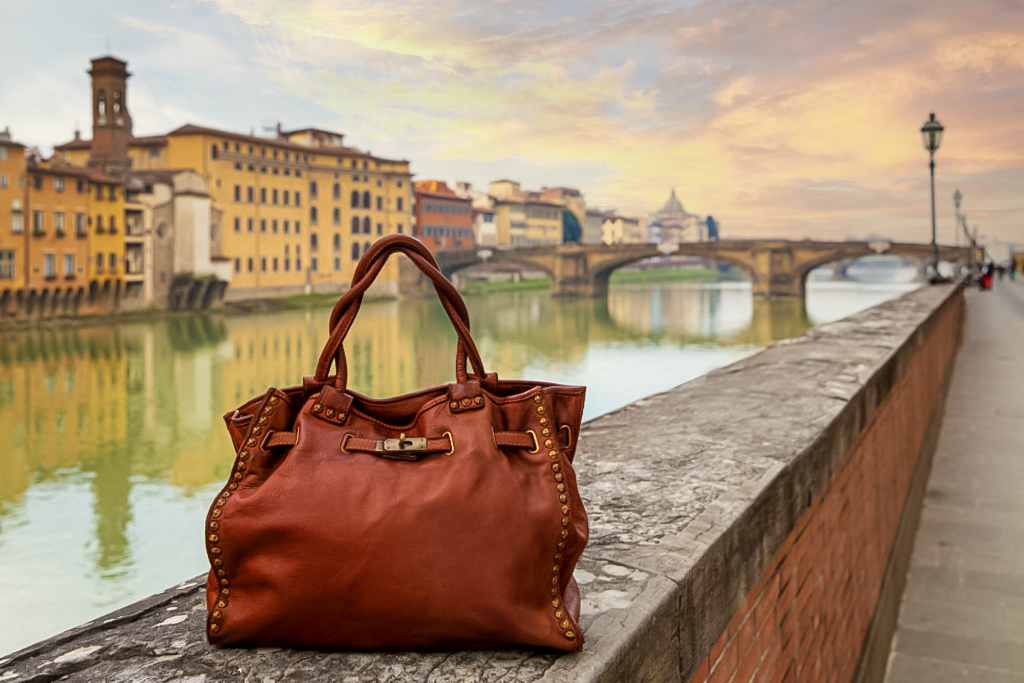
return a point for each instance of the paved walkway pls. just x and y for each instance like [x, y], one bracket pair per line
[962, 617]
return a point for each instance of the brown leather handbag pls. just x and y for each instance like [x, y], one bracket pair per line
[448, 518]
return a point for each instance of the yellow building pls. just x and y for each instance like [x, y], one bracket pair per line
[618, 229]
[13, 193]
[526, 219]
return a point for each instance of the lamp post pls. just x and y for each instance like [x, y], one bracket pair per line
[931, 137]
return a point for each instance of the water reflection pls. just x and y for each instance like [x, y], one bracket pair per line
[115, 441]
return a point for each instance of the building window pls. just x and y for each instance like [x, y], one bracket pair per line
[238, 224]
[249, 193]
[275, 264]
[37, 222]
[366, 247]
[37, 182]
[298, 227]
[238, 193]
[263, 264]
[398, 204]
[154, 152]
[312, 189]
[80, 186]
[355, 225]
[273, 226]
[337, 216]
[355, 251]
[6, 261]
[112, 193]
[99, 261]
[3, 180]
[273, 197]
[3, 152]
[380, 203]
[58, 223]
[355, 179]
[263, 195]
[263, 153]
[337, 264]
[355, 199]
[112, 262]
[99, 225]
[80, 225]
[113, 225]
[249, 224]
[380, 183]
[312, 215]
[50, 266]
[286, 227]
[238, 265]
[69, 265]
[298, 197]
[380, 228]
[400, 230]
[284, 198]
[337, 241]
[366, 225]
[399, 183]
[58, 184]
[275, 153]
[337, 190]
[366, 164]
[312, 264]
[99, 193]
[366, 200]
[263, 225]
[213, 151]
[312, 242]
[298, 264]
[250, 260]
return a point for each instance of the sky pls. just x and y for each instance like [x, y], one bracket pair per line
[781, 118]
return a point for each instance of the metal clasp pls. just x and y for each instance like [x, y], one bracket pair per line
[402, 448]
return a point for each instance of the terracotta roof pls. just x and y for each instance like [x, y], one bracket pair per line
[145, 141]
[158, 175]
[441, 195]
[73, 145]
[505, 180]
[93, 174]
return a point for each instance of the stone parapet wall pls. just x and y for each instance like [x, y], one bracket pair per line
[742, 528]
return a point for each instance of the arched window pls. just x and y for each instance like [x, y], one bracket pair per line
[312, 189]
[337, 216]
[117, 102]
[101, 106]
[366, 225]
[337, 190]
[355, 251]
[355, 225]
[312, 242]
[337, 241]
[366, 247]
[312, 215]
[366, 200]
[355, 199]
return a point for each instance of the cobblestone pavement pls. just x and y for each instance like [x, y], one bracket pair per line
[962, 616]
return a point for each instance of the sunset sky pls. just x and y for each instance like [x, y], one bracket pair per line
[782, 118]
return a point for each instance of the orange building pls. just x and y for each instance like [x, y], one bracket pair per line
[444, 221]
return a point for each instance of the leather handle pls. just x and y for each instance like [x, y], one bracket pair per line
[369, 268]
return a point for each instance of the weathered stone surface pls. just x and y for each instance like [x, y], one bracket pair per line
[689, 494]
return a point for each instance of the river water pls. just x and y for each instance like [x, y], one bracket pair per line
[113, 444]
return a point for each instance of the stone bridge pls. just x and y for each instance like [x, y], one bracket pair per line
[777, 268]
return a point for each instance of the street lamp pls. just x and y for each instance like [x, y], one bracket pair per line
[931, 137]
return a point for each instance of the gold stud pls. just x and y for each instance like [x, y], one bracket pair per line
[218, 563]
[554, 569]
[262, 421]
[540, 410]
[232, 486]
[215, 514]
[317, 407]
[242, 466]
[466, 402]
[537, 399]
[559, 614]
[341, 416]
[564, 623]
[224, 582]
[558, 557]
[215, 551]
[217, 614]
[226, 494]
[552, 454]
[556, 603]
[220, 503]
[554, 580]
[214, 538]
[214, 525]
[243, 455]
[546, 431]
[268, 410]
[570, 635]
[250, 443]
[214, 628]
[565, 509]
[548, 443]
[221, 572]
[256, 430]
[222, 603]
[543, 421]
[329, 412]
[273, 400]
[453, 404]
[559, 477]
[562, 498]
[565, 521]
[560, 487]
[478, 400]
[565, 533]
[561, 545]
[555, 467]
[225, 592]
[239, 475]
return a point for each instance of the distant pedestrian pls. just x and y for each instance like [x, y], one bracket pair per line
[986, 276]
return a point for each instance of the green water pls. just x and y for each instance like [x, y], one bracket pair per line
[113, 443]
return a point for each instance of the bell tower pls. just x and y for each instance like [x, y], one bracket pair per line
[111, 122]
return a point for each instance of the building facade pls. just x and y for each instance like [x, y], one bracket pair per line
[677, 225]
[444, 220]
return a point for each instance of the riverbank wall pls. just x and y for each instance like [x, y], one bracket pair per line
[753, 524]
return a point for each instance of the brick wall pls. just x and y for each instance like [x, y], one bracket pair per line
[807, 617]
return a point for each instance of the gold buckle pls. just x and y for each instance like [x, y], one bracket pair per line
[451, 440]
[568, 435]
[536, 443]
